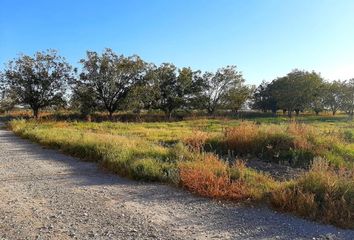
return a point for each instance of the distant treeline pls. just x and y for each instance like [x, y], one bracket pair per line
[111, 82]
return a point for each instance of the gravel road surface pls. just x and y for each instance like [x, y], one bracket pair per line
[47, 195]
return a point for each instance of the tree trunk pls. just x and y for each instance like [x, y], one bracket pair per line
[334, 112]
[317, 112]
[284, 111]
[297, 111]
[169, 115]
[88, 118]
[110, 115]
[289, 113]
[235, 112]
[35, 113]
[210, 111]
[138, 115]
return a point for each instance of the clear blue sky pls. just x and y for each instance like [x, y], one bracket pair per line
[264, 38]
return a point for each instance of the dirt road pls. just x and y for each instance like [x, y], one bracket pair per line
[47, 195]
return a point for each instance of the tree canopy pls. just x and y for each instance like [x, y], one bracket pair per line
[111, 77]
[38, 81]
[108, 81]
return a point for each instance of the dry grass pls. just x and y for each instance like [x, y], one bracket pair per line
[196, 141]
[294, 143]
[322, 194]
[209, 176]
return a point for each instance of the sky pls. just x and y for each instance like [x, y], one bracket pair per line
[265, 39]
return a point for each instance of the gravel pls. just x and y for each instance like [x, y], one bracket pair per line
[47, 195]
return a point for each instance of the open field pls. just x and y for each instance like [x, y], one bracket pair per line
[207, 156]
[48, 195]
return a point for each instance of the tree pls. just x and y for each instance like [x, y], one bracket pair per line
[190, 86]
[111, 77]
[318, 101]
[39, 81]
[297, 90]
[218, 85]
[348, 98]
[236, 97]
[166, 79]
[177, 89]
[7, 102]
[263, 98]
[144, 94]
[83, 99]
[334, 95]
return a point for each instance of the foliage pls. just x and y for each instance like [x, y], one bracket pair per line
[84, 100]
[218, 86]
[145, 94]
[111, 77]
[176, 90]
[348, 100]
[235, 98]
[263, 98]
[39, 81]
[334, 95]
[297, 90]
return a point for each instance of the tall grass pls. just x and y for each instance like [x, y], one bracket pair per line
[209, 176]
[127, 156]
[321, 194]
[295, 144]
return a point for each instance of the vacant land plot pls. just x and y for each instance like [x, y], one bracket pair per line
[207, 156]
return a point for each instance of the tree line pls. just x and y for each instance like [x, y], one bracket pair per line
[111, 82]
[302, 90]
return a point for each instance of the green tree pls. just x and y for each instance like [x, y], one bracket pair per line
[297, 90]
[318, 101]
[176, 88]
[334, 95]
[217, 86]
[111, 77]
[348, 98]
[84, 100]
[144, 94]
[236, 97]
[39, 81]
[263, 98]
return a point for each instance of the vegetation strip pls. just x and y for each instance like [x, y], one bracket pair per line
[325, 193]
